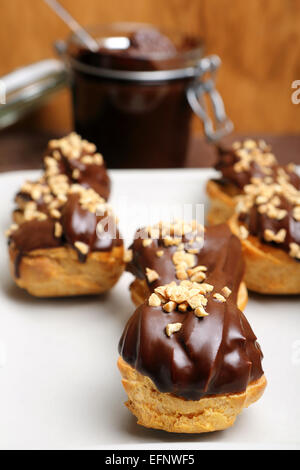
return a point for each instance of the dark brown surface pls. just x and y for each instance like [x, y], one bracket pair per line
[25, 149]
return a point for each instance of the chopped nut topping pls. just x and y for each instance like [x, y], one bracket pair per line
[170, 306]
[154, 300]
[96, 159]
[151, 275]
[159, 253]
[194, 251]
[56, 155]
[196, 301]
[82, 247]
[198, 277]
[55, 214]
[236, 145]
[40, 216]
[200, 312]
[76, 174]
[31, 213]
[58, 230]
[219, 297]
[185, 296]
[294, 250]
[161, 290]
[195, 270]
[87, 160]
[170, 241]
[205, 288]
[175, 293]
[278, 237]
[273, 197]
[181, 273]
[58, 184]
[147, 242]
[73, 147]
[173, 328]
[296, 213]
[90, 200]
[181, 257]
[226, 291]
[250, 152]
[244, 233]
[291, 167]
[250, 144]
[183, 307]
[128, 255]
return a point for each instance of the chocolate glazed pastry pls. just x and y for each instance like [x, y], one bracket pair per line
[268, 223]
[80, 162]
[65, 239]
[154, 259]
[189, 359]
[240, 165]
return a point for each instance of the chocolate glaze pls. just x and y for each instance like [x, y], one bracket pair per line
[145, 257]
[52, 192]
[226, 160]
[78, 225]
[35, 235]
[209, 356]
[91, 175]
[257, 224]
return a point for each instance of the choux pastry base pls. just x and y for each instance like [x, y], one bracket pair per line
[56, 272]
[269, 270]
[222, 202]
[140, 292]
[157, 410]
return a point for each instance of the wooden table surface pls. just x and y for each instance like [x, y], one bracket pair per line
[24, 149]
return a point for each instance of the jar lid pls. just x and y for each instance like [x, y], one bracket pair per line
[135, 52]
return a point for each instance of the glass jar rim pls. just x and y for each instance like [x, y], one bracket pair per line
[186, 61]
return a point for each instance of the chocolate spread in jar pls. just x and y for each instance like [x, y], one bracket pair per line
[135, 124]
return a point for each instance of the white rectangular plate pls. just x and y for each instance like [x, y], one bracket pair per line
[59, 384]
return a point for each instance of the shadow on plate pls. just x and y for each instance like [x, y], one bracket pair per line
[266, 299]
[12, 291]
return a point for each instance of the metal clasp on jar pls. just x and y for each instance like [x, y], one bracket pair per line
[218, 125]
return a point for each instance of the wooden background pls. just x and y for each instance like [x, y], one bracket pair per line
[258, 41]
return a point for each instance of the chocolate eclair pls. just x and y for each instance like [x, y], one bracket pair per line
[174, 251]
[239, 165]
[189, 359]
[65, 240]
[79, 161]
[268, 223]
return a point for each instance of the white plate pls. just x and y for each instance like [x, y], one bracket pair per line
[59, 385]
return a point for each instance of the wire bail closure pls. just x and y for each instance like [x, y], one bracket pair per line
[219, 125]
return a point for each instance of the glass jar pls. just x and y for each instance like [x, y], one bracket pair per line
[136, 105]
[134, 97]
